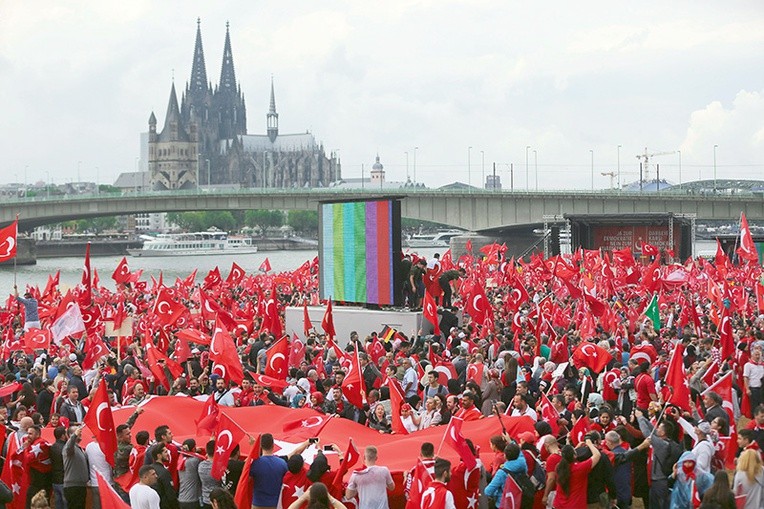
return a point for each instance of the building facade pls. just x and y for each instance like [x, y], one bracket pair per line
[204, 140]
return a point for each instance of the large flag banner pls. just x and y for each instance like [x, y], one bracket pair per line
[8, 236]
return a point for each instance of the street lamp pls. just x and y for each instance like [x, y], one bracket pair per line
[715, 146]
[527, 181]
[137, 174]
[98, 190]
[469, 169]
[592, 153]
[415, 149]
[482, 169]
[536, 170]
[208, 172]
[618, 171]
[47, 180]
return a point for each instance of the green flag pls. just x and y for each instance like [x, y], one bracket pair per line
[653, 313]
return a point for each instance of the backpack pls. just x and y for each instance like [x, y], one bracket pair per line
[674, 452]
[538, 476]
[526, 486]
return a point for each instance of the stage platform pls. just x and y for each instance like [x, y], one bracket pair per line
[353, 318]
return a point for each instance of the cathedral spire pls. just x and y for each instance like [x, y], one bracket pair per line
[227, 74]
[198, 68]
[273, 117]
[173, 124]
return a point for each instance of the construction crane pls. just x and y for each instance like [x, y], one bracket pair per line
[645, 158]
[612, 176]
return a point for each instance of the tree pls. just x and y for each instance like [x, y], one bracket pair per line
[303, 220]
[264, 218]
[96, 224]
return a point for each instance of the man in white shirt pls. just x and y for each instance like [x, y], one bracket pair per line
[753, 375]
[142, 495]
[410, 379]
[371, 484]
[97, 464]
[521, 408]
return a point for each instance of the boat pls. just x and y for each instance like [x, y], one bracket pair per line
[194, 244]
[441, 238]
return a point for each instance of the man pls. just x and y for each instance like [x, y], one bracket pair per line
[713, 403]
[753, 376]
[661, 444]
[76, 473]
[163, 436]
[644, 385]
[452, 407]
[600, 490]
[757, 425]
[445, 280]
[267, 473]
[416, 280]
[369, 371]
[31, 315]
[521, 407]
[370, 483]
[427, 458]
[204, 470]
[125, 444]
[45, 399]
[37, 463]
[98, 465]
[57, 466]
[437, 496]
[168, 497]
[552, 448]
[433, 387]
[142, 495]
[468, 411]
[410, 379]
[246, 395]
[71, 408]
[621, 469]
[223, 395]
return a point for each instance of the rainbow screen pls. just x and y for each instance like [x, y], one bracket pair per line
[359, 246]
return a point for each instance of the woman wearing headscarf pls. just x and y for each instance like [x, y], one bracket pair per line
[691, 483]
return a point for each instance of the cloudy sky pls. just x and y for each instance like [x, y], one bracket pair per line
[78, 81]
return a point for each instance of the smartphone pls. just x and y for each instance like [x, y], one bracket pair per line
[313, 440]
[328, 448]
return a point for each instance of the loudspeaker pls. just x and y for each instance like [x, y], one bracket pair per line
[555, 245]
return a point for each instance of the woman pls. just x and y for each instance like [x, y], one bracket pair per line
[492, 392]
[431, 415]
[298, 401]
[689, 479]
[573, 476]
[498, 444]
[317, 497]
[378, 419]
[719, 495]
[316, 401]
[749, 479]
[221, 499]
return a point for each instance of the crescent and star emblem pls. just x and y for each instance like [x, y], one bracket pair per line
[163, 308]
[312, 422]
[100, 409]
[11, 244]
[219, 440]
[276, 356]
[214, 340]
[585, 350]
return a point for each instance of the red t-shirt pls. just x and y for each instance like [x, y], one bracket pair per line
[644, 386]
[579, 479]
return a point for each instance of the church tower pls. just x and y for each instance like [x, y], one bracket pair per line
[377, 173]
[227, 99]
[273, 117]
[172, 152]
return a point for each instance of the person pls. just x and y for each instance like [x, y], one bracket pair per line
[160, 456]
[71, 408]
[704, 450]
[204, 470]
[416, 280]
[713, 404]
[221, 499]
[97, 464]
[661, 443]
[317, 497]
[515, 464]
[370, 483]
[31, 313]
[445, 283]
[437, 495]
[572, 477]
[753, 376]
[57, 466]
[267, 473]
[749, 479]
[689, 481]
[37, 463]
[189, 484]
[719, 495]
[76, 473]
[142, 495]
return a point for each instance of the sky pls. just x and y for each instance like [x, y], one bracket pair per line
[457, 84]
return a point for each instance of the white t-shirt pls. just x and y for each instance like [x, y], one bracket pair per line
[528, 411]
[143, 497]
[754, 372]
[371, 484]
[97, 464]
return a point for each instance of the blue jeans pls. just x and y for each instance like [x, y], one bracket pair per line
[660, 497]
[58, 496]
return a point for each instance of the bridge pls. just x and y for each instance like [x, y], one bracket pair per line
[471, 209]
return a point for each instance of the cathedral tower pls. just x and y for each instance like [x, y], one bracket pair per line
[172, 152]
[273, 117]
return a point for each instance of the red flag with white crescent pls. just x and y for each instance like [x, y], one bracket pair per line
[265, 266]
[430, 312]
[224, 355]
[8, 236]
[353, 386]
[306, 427]
[328, 321]
[236, 275]
[121, 274]
[277, 357]
[454, 439]
[747, 249]
[101, 422]
[227, 437]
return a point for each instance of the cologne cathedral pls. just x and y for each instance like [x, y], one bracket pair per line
[204, 139]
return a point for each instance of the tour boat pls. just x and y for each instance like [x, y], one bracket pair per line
[194, 244]
[441, 238]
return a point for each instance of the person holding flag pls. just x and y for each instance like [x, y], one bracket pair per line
[691, 482]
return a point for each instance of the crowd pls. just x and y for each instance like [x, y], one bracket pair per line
[642, 380]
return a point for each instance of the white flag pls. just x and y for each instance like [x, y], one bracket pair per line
[67, 324]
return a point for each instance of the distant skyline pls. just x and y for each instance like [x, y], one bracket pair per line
[78, 81]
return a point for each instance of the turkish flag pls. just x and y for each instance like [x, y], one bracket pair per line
[243, 494]
[37, 339]
[475, 372]
[208, 420]
[101, 422]
[8, 241]
[726, 340]
[328, 321]
[676, 380]
[477, 305]
[236, 275]
[109, 497]
[446, 371]
[650, 250]
[747, 250]
[212, 279]
[277, 356]
[91, 317]
[579, 430]
[396, 401]
[224, 354]
[165, 309]
[272, 310]
[592, 356]
[227, 437]
[454, 439]
[265, 266]
[121, 274]
[351, 458]
[723, 387]
[759, 291]
[86, 297]
[353, 386]
[270, 382]
[430, 312]
[306, 427]
[296, 352]
[95, 349]
[549, 414]
[194, 336]
[306, 325]
[421, 479]
[376, 350]
[512, 496]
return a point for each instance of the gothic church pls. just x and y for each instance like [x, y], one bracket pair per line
[204, 140]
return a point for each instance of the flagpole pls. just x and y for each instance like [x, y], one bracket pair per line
[737, 238]
[17, 250]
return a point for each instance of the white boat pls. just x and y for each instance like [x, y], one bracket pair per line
[441, 238]
[194, 244]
